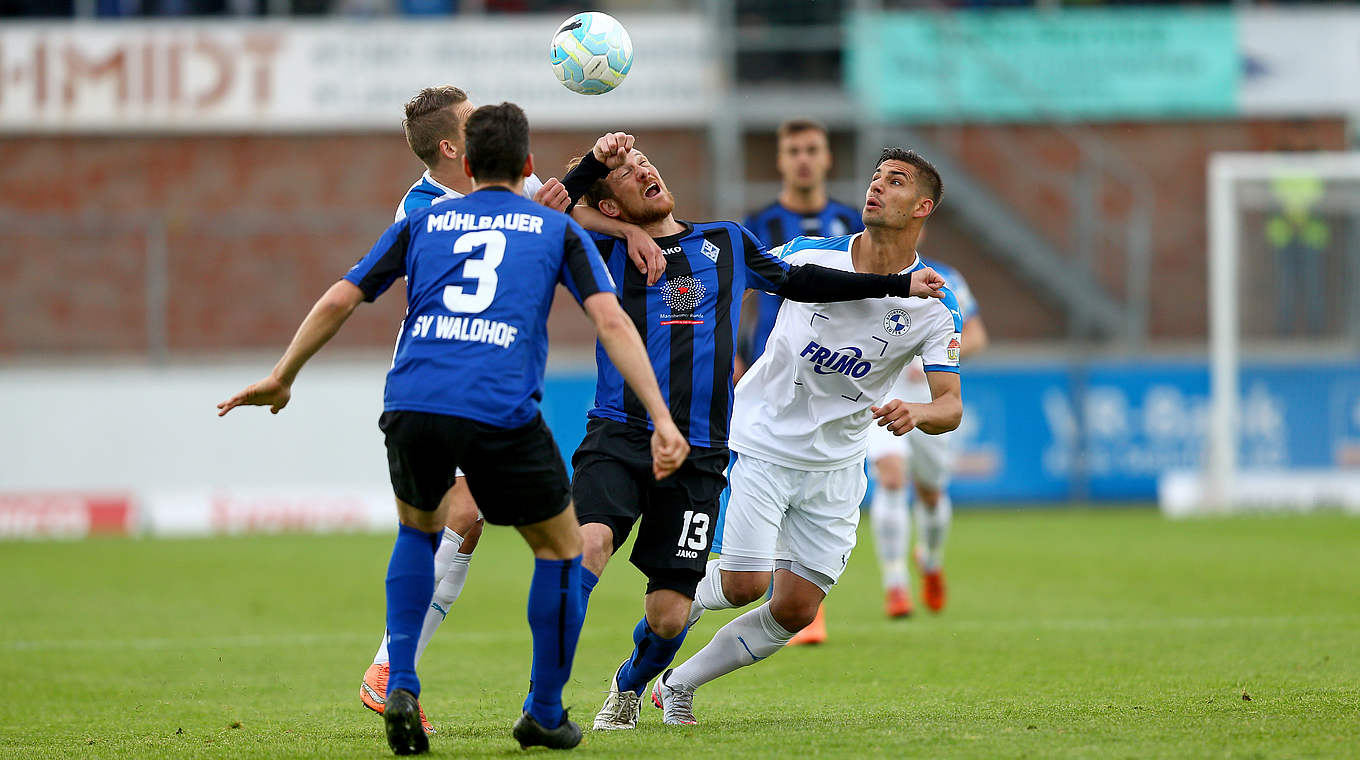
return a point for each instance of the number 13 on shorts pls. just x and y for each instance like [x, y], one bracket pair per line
[694, 531]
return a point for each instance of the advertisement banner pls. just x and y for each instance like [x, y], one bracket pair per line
[228, 76]
[1301, 61]
[1020, 65]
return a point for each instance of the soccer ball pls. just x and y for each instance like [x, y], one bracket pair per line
[591, 53]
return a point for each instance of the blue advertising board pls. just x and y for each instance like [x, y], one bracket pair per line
[1105, 430]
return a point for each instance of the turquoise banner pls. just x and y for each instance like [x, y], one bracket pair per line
[1025, 65]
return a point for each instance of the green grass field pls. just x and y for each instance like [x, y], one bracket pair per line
[1070, 633]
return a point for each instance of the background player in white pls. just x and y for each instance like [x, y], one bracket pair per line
[799, 428]
[434, 131]
[931, 459]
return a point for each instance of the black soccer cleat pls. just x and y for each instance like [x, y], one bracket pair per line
[405, 735]
[529, 733]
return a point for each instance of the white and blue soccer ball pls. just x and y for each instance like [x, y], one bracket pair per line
[591, 53]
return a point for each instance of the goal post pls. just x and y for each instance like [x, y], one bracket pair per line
[1238, 183]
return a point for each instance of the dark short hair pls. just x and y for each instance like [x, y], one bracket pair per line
[598, 190]
[430, 119]
[497, 142]
[798, 126]
[927, 176]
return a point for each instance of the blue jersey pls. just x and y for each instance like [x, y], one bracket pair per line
[688, 321]
[775, 226]
[480, 273]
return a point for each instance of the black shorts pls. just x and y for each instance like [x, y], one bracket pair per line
[613, 485]
[516, 475]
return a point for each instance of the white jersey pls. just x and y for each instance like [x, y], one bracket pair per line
[912, 386]
[805, 403]
[427, 192]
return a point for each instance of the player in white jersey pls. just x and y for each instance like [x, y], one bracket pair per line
[434, 131]
[800, 425]
[929, 459]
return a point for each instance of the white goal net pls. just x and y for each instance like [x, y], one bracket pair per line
[1283, 431]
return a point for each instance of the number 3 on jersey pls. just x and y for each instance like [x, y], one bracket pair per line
[482, 270]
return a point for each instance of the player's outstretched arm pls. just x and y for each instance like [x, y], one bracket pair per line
[941, 415]
[321, 324]
[621, 341]
[809, 283]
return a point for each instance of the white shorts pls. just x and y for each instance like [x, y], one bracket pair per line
[779, 513]
[930, 458]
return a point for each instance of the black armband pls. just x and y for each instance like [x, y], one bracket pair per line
[579, 180]
[809, 283]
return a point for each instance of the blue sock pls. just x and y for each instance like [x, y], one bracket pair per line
[410, 586]
[555, 615]
[651, 655]
[588, 581]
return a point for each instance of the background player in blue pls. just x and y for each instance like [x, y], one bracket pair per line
[689, 321]
[480, 275]
[434, 131]
[803, 158]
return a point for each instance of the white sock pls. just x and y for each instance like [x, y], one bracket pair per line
[445, 594]
[746, 640]
[443, 558]
[933, 525]
[709, 594]
[892, 534]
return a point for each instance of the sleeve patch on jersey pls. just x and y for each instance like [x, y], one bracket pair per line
[952, 350]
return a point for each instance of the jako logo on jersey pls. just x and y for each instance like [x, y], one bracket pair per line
[844, 361]
[897, 322]
[682, 293]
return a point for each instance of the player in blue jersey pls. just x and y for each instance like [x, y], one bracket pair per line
[689, 321]
[464, 391]
[928, 459]
[803, 158]
[803, 208]
[434, 131]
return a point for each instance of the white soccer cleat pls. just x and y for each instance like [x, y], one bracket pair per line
[677, 705]
[621, 708]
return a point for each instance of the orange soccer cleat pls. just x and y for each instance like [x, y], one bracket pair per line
[814, 633]
[897, 602]
[373, 692]
[932, 585]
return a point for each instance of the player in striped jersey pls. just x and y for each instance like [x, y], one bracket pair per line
[930, 459]
[688, 321]
[434, 131]
[800, 423]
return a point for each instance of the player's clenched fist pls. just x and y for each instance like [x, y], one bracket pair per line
[669, 449]
[926, 283]
[896, 415]
[612, 148]
[553, 194]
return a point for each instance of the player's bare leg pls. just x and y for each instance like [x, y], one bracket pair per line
[463, 529]
[934, 513]
[891, 519]
[745, 640]
[555, 616]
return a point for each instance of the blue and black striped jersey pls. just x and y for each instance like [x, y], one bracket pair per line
[480, 274]
[775, 226]
[688, 321]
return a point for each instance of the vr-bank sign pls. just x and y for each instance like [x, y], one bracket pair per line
[336, 76]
